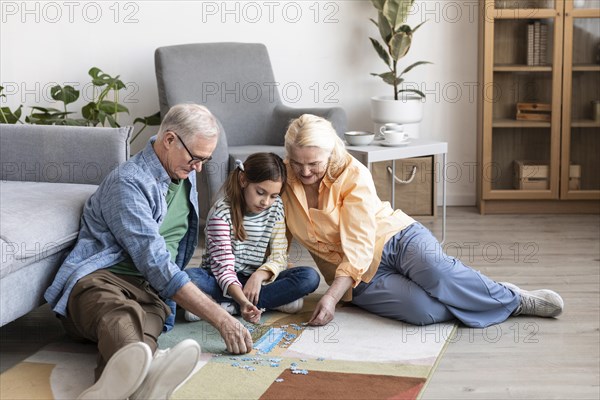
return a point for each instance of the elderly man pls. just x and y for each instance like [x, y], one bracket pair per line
[138, 231]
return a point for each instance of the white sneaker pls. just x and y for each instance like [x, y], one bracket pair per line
[227, 306]
[169, 369]
[191, 317]
[291, 308]
[122, 375]
[541, 303]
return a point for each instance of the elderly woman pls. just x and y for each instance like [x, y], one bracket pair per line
[380, 259]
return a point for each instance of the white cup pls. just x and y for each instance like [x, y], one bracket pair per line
[393, 133]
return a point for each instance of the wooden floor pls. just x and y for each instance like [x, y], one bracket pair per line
[522, 358]
[526, 357]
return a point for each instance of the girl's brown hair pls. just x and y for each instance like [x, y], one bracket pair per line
[258, 167]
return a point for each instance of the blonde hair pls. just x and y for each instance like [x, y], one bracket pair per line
[312, 131]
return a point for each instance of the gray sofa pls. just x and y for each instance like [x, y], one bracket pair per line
[47, 174]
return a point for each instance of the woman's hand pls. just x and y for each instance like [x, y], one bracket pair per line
[250, 313]
[254, 284]
[324, 312]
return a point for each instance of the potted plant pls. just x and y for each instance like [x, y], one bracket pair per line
[100, 111]
[405, 106]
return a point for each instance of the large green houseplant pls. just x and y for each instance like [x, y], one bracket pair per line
[406, 104]
[103, 109]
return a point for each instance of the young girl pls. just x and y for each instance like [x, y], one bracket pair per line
[246, 246]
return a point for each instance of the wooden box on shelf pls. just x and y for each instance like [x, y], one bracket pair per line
[535, 175]
[531, 175]
[574, 177]
[534, 112]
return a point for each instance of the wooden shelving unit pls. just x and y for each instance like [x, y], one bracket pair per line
[567, 79]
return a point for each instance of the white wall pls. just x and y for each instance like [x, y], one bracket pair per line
[319, 47]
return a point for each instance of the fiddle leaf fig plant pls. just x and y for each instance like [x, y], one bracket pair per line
[397, 39]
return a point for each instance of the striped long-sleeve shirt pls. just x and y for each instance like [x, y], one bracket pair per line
[265, 247]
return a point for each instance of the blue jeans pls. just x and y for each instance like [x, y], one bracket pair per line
[290, 285]
[418, 283]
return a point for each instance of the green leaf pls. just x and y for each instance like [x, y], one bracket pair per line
[102, 117]
[90, 112]
[9, 117]
[385, 30]
[418, 26]
[378, 4]
[396, 12]
[400, 44]
[413, 91]
[66, 94]
[410, 67]
[383, 54]
[118, 84]
[99, 78]
[94, 72]
[112, 121]
[45, 110]
[150, 120]
[388, 77]
[110, 107]
[75, 122]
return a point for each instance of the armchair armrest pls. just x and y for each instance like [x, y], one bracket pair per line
[61, 154]
[282, 115]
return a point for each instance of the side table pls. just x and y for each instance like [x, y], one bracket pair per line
[375, 152]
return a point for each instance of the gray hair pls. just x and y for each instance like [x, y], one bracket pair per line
[189, 121]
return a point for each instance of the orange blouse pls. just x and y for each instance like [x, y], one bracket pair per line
[346, 234]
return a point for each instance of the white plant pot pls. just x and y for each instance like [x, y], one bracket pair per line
[407, 110]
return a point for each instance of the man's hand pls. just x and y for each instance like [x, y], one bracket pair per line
[236, 336]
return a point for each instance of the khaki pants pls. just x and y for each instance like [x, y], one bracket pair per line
[114, 310]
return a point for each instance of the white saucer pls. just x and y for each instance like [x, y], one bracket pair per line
[403, 143]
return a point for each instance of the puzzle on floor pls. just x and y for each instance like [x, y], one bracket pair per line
[290, 360]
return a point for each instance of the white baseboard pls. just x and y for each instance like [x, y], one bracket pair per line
[457, 199]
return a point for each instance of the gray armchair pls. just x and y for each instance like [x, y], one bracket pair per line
[235, 81]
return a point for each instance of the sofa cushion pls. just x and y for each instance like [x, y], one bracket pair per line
[37, 220]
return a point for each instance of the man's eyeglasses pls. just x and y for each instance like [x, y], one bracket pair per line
[194, 160]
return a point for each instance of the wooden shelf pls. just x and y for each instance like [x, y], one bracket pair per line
[568, 82]
[513, 123]
[587, 68]
[585, 123]
[585, 12]
[522, 68]
[525, 13]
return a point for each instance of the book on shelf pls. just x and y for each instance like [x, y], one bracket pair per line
[537, 43]
[530, 38]
[543, 44]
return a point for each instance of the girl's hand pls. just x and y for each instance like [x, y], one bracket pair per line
[250, 313]
[254, 284]
[324, 312]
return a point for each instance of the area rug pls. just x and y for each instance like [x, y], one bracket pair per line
[356, 356]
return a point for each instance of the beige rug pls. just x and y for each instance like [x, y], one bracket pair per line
[357, 356]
